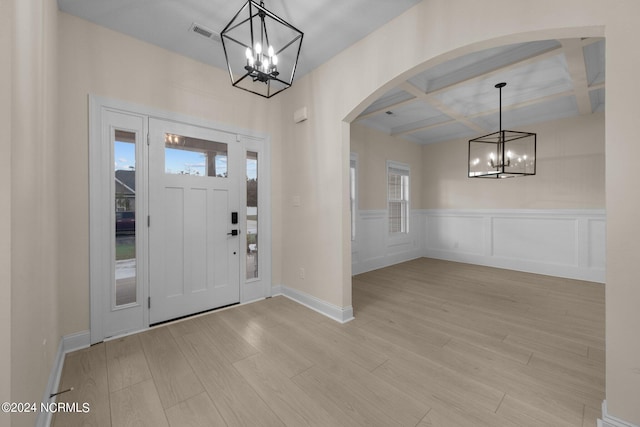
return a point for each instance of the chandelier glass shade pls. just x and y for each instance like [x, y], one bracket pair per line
[502, 154]
[261, 50]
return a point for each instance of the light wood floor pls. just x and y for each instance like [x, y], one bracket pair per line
[434, 343]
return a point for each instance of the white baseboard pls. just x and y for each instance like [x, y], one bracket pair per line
[609, 420]
[339, 314]
[68, 343]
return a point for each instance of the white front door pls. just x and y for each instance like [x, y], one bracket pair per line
[195, 179]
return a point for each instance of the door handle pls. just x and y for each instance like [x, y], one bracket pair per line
[233, 233]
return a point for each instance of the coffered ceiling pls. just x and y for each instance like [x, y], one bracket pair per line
[546, 80]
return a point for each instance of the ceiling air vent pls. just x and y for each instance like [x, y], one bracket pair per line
[204, 32]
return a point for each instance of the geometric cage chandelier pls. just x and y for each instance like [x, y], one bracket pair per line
[502, 154]
[261, 50]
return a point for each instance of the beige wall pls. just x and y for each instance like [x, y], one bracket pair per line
[33, 201]
[429, 33]
[6, 82]
[374, 148]
[569, 175]
[95, 60]
[570, 170]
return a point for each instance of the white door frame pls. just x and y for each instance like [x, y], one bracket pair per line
[100, 187]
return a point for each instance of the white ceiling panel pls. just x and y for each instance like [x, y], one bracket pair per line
[396, 119]
[394, 96]
[554, 109]
[445, 132]
[479, 63]
[535, 80]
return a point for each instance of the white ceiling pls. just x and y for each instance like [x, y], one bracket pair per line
[546, 80]
[329, 26]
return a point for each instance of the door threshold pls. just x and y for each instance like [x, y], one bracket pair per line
[164, 322]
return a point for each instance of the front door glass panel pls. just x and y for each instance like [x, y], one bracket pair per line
[252, 215]
[124, 150]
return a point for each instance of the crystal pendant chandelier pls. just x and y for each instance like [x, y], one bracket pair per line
[261, 50]
[502, 154]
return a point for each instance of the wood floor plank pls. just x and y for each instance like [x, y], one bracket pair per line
[323, 346]
[591, 416]
[432, 384]
[85, 371]
[293, 406]
[361, 396]
[288, 359]
[171, 372]
[521, 381]
[138, 405]
[197, 411]
[238, 403]
[446, 415]
[232, 345]
[126, 363]
[524, 414]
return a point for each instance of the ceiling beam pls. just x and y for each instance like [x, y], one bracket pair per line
[406, 129]
[385, 109]
[573, 51]
[435, 102]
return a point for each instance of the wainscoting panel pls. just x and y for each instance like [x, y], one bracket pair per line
[563, 243]
[536, 239]
[375, 248]
[459, 233]
[597, 243]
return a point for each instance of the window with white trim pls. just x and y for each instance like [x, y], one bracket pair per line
[398, 197]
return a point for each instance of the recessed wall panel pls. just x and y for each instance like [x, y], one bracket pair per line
[543, 240]
[460, 234]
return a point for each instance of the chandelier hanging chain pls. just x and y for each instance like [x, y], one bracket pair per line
[501, 138]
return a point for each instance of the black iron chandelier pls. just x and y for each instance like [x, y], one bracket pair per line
[502, 154]
[261, 50]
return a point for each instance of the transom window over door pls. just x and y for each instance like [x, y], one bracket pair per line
[398, 197]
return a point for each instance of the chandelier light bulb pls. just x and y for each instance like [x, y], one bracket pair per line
[270, 51]
[258, 48]
[274, 60]
[248, 53]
